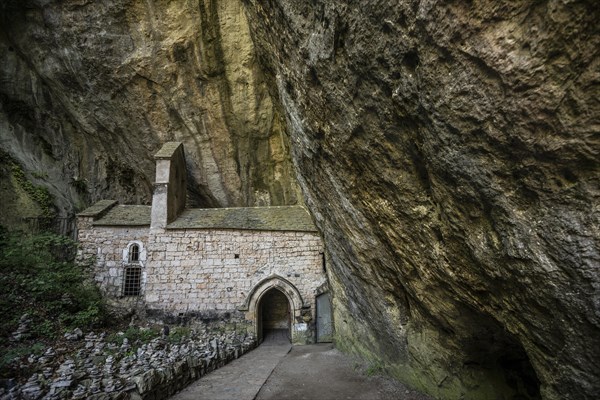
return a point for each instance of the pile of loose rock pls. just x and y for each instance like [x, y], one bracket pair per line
[103, 370]
[23, 329]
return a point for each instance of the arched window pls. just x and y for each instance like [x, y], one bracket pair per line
[133, 258]
[134, 253]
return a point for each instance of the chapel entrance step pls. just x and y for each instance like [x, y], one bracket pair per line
[276, 337]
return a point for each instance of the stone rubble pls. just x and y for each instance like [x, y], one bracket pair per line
[75, 335]
[101, 370]
[22, 330]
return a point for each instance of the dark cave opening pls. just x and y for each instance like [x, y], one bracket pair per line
[519, 373]
[494, 349]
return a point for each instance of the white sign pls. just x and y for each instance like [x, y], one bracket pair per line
[301, 327]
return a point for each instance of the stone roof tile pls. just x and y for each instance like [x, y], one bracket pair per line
[126, 215]
[283, 218]
[167, 150]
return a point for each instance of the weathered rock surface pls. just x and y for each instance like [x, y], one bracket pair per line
[449, 153]
[90, 90]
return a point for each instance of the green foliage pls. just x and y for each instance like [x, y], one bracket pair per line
[178, 334]
[39, 194]
[375, 368]
[135, 335]
[44, 329]
[38, 277]
[20, 351]
[39, 175]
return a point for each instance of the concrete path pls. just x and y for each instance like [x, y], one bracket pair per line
[320, 372]
[241, 379]
[311, 372]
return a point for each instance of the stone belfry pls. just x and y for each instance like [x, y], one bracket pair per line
[168, 200]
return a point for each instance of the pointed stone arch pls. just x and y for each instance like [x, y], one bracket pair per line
[252, 302]
[272, 282]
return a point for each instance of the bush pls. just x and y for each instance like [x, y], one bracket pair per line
[38, 276]
[179, 334]
[8, 356]
[135, 336]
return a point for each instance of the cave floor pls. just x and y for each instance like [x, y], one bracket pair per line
[276, 370]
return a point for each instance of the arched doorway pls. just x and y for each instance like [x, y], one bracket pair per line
[254, 300]
[274, 317]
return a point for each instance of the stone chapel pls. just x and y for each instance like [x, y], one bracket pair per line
[259, 269]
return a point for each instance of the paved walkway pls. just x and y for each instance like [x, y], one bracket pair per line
[311, 372]
[241, 379]
[320, 372]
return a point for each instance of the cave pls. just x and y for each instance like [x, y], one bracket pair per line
[493, 352]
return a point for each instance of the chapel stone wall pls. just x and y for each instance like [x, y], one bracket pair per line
[105, 251]
[198, 272]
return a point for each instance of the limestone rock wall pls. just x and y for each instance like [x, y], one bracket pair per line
[447, 150]
[90, 90]
[449, 153]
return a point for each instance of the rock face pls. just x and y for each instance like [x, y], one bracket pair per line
[449, 154]
[447, 150]
[90, 90]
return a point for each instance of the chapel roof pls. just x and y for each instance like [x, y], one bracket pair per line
[275, 218]
[126, 215]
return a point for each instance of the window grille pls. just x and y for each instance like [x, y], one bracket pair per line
[133, 281]
[134, 253]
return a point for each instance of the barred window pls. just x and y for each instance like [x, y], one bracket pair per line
[134, 253]
[133, 281]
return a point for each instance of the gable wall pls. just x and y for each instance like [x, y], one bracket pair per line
[196, 272]
[104, 248]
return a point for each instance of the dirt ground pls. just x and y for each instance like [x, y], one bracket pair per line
[320, 372]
